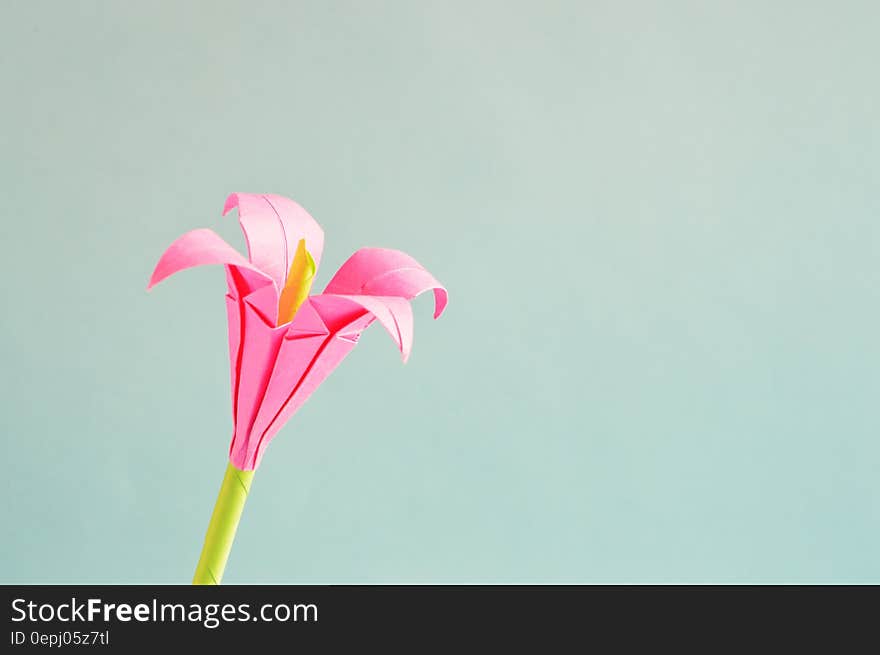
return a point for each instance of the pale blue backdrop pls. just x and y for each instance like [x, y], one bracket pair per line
[659, 223]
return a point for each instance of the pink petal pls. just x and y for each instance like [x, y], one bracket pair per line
[272, 226]
[198, 248]
[304, 338]
[323, 332]
[394, 313]
[383, 272]
[254, 344]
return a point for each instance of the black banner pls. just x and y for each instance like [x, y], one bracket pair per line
[125, 618]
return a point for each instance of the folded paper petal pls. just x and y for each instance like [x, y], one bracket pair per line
[258, 350]
[395, 315]
[272, 226]
[304, 339]
[323, 332]
[384, 272]
[199, 248]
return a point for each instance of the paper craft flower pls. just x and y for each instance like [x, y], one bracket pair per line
[283, 342]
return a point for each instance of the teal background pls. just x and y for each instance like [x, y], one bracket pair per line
[658, 222]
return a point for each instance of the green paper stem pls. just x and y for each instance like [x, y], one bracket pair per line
[224, 522]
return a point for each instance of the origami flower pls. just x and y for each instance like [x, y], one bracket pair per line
[283, 342]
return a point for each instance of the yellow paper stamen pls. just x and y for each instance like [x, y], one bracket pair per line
[299, 283]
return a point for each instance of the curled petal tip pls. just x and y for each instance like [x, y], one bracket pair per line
[405, 347]
[230, 204]
[406, 350]
[160, 272]
[441, 299]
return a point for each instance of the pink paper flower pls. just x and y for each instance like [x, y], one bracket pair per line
[276, 363]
